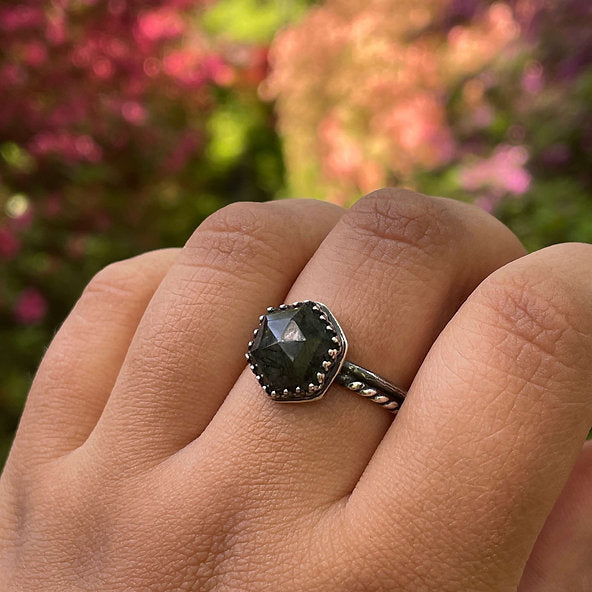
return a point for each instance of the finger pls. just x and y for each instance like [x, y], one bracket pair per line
[189, 347]
[393, 271]
[562, 556]
[491, 428]
[80, 367]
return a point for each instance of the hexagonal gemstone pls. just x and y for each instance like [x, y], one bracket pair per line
[290, 347]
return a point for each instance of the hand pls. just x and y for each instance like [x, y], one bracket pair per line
[148, 458]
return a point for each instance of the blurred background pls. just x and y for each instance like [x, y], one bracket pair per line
[123, 123]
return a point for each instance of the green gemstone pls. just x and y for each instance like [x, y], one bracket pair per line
[290, 347]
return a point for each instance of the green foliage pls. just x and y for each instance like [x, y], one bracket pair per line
[552, 212]
[251, 21]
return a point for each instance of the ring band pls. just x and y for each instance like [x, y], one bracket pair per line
[299, 350]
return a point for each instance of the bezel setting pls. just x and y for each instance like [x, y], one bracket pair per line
[321, 378]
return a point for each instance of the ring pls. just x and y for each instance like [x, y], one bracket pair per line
[299, 350]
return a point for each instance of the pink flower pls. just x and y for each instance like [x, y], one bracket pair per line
[73, 110]
[159, 24]
[88, 149]
[133, 112]
[532, 78]
[185, 66]
[116, 7]
[151, 66]
[68, 146]
[482, 116]
[12, 75]
[20, 17]
[256, 68]
[418, 131]
[343, 156]
[10, 245]
[55, 30]
[30, 307]
[217, 70]
[35, 54]
[486, 202]
[502, 173]
[103, 68]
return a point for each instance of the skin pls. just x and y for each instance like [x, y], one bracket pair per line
[148, 458]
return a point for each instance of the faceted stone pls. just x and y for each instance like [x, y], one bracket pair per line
[290, 347]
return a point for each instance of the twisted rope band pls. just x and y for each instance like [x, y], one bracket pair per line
[367, 384]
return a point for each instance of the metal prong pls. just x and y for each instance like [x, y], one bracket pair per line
[261, 318]
[330, 328]
[320, 377]
[323, 317]
[355, 386]
[315, 307]
[247, 356]
[312, 388]
[258, 376]
[380, 399]
[286, 392]
[283, 306]
[273, 393]
[391, 406]
[327, 364]
[252, 367]
[270, 309]
[335, 339]
[255, 331]
[298, 390]
[333, 353]
[250, 344]
[265, 388]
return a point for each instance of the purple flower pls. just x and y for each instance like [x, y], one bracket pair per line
[30, 307]
[502, 173]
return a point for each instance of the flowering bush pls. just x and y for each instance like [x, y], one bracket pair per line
[477, 100]
[122, 124]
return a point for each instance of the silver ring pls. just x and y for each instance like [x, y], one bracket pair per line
[299, 350]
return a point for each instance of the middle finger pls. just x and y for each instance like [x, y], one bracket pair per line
[187, 350]
[394, 270]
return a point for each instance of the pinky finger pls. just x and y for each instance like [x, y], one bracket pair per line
[562, 556]
[80, 366]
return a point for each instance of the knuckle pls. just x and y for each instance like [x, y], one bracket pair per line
[115, 280]
[393, 220]
[241, 234]
[236, 218]
[116, 290]
[545, 314]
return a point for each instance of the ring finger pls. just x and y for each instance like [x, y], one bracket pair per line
[393, 271]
